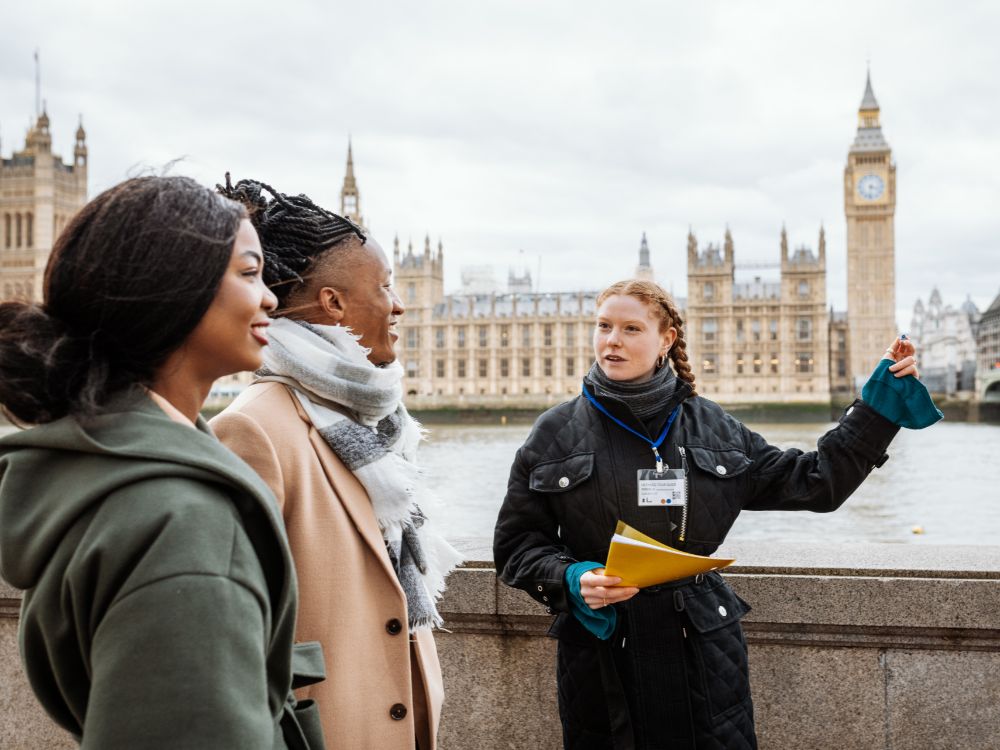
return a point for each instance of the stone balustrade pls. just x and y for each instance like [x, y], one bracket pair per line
[852, 647]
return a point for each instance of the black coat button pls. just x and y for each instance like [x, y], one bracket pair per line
[398, 712]
[394, 627]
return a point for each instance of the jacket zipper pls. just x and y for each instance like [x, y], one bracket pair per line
[687, 495]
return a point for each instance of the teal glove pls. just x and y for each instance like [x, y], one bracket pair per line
[903, 401]
[600, 622]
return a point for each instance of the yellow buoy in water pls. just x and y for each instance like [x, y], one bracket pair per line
[917, 529]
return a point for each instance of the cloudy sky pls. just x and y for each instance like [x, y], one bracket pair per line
[549, 135]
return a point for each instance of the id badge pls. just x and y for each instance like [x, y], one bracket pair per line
[663, 489]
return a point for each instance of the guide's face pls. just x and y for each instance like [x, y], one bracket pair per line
[628, 340]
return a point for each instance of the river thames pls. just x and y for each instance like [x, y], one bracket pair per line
[944, 480]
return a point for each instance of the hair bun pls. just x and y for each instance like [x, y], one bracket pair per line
[40, 363]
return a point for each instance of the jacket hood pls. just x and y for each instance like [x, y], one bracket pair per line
[52, 474]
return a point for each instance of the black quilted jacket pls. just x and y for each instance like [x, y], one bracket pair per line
[575, 477]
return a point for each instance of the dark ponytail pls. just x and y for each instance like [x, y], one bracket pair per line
[127, 281]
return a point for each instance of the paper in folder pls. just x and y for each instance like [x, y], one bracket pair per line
[640, 560]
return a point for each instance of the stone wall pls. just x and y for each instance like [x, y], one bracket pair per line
[23, 723]
[867, 647]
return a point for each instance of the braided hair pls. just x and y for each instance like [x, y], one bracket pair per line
[294, 232]
[656, 298]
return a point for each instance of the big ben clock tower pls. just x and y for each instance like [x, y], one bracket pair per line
[870, 205]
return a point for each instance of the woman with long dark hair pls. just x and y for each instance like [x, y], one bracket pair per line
[160, 596]
[665, 666]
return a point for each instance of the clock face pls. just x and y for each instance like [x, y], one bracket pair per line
[870, 187]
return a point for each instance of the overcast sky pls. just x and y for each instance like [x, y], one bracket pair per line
[547, 134]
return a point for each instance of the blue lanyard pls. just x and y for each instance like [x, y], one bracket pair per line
[654, 444]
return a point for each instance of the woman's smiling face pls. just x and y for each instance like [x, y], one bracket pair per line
[232, 334]
[628, 339]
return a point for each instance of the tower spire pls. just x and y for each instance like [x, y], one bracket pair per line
[644, 270]
[350, 199]
[868, 101]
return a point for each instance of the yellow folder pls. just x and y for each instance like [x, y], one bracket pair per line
[640, 560]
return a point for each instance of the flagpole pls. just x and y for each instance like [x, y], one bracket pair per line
[38, 87]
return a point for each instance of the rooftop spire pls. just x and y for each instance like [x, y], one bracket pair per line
[349, 180]
[644, 270]
[869, 102]
[350, 201]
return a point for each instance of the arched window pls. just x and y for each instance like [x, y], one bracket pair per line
[31, 231]
[6, 230]
[17, 222]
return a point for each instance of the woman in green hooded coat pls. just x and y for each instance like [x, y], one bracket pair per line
[160, 597]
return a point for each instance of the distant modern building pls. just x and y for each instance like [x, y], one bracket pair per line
[946, 345]
[988, 352]
[38, 195]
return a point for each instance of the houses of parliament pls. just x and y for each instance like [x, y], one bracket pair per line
[765, 340]
[752, 338]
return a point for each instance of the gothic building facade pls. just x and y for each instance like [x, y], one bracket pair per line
[759, 340]
[774, 339]
[516, 347]
[752, 338]
[38, 195]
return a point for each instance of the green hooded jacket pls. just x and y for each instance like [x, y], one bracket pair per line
[160, 596]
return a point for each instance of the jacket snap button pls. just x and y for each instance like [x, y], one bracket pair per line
[564, 481]
[722, 610]
[540, 588]
[394, 627]
[545, 598]
[721, 469]
[398, 712]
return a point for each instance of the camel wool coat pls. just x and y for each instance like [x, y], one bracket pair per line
[383, 688]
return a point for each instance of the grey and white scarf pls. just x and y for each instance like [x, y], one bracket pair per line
[357, 408]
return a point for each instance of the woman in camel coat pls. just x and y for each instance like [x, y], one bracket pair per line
[325, 427]
[350, 599]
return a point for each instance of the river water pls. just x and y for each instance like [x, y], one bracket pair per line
[944, 481]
